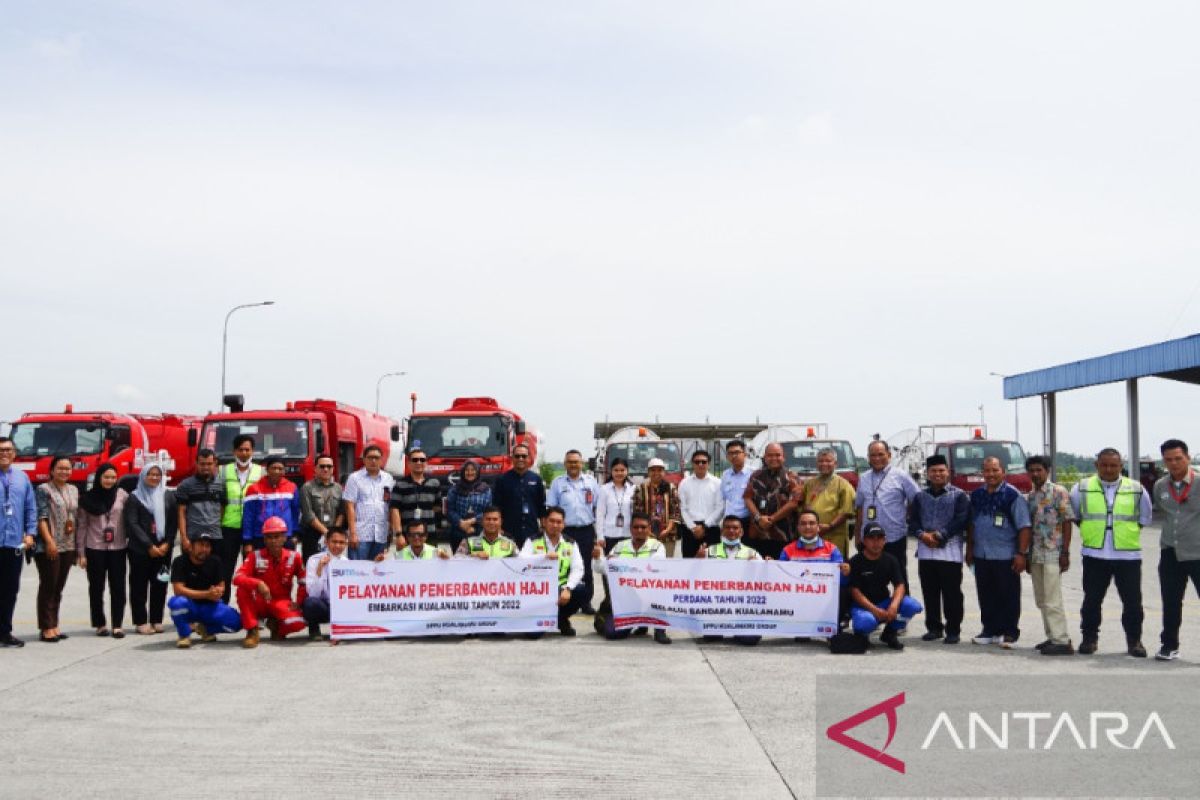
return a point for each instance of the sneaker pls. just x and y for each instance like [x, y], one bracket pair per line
[984, 638]
[1166, 654]
[951, 638]
[1087, 647]
[661, 637]
[184, 643]
[892, 640]
[1052, 649]
[251, 640]
[1137, 650]
[931, 636]
[1006, 642]
[203, 633]
[1043, 645]
[566, 629]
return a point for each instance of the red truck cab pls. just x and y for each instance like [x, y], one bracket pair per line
[475, 428]
[91, 438]
[801, 457]
[965, 457]
[301, 431]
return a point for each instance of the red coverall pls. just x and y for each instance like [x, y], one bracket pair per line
[278, 575]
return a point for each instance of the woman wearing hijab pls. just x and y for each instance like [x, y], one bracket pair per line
[150, 524]
[100, 538]
[57, 503]
[467, 499]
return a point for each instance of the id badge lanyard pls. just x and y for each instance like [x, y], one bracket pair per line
[872, 512]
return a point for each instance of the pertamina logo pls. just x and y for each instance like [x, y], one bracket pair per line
[837, 732]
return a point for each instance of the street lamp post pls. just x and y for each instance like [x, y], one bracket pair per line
[225, 341]
[1016, 410]
[379, 383]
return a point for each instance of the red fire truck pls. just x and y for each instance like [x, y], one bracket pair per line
[965, 454]
[476, 428]
[90, 438]
[303, 430]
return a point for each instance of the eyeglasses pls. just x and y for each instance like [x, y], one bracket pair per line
[324, 466]
[8, 449]
[519, 455]
[698, 461]
[418, 460]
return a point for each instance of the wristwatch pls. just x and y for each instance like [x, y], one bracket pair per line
[1023, 553]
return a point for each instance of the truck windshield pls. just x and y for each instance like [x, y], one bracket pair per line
[638, 454]
[287, 438]
[802, 456]
[33, 439]
[967, 457]
[450, 437]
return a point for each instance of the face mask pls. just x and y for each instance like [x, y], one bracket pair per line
[730, 542]
[810, 542]
[242, 464]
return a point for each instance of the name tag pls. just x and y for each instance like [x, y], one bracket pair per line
[998, 521]
[871, 512]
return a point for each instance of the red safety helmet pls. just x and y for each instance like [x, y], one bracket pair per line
[274, 525]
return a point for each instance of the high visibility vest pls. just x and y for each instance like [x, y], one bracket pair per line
[718, 550]
[407, 554]
[623, 549]
[503, 547]
[231, 517]
[1093, 515]
[542, 546]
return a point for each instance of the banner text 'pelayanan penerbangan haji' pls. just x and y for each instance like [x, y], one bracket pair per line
[725, 598]
[436, 598]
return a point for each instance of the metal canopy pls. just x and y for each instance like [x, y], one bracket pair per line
[1177, 359]
[683, 430]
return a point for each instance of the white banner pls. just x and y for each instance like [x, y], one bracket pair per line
[370, 600]
[715, 597]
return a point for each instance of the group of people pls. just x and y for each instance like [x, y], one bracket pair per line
[251, 511]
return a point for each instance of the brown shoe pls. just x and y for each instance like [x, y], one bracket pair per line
[203, 633]
[183, 643]
[251, 639]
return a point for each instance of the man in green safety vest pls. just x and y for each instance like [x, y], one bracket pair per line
[238, 476]
[554, 545]
[1111, 510]
[493, 543]
[417, 549]
[638, 545]
[731, 548]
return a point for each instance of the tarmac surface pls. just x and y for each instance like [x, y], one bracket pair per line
[558, 717]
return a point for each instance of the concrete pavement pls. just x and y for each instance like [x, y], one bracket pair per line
[476, 718]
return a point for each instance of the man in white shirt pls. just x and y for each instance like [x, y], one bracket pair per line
[316, 581]
[553, 545]
[702, 506]
[368, 494]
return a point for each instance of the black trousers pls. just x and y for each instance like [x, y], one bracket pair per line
[691, 545]
[106, 566]
[229, 548]
[941, 585]
[999, 592]
[1173, 576]
[1098, 573]
[573, 605]
[10, 582]
[144, 586]
[310, 543]
[584, 537]
[899, 551]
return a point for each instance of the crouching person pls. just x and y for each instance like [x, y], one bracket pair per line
[264, 586]
[638, 545]
[878, 591]
[731, 548]
[197, 579]
[552, 544]
[316, 580]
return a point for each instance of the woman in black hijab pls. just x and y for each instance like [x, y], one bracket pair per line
[100, 538]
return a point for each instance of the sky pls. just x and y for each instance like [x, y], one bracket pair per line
[777, 211]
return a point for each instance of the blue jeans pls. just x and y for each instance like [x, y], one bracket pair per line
[864, 621]
[366, 551]
[216, 617]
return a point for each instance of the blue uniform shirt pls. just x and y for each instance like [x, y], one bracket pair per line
[733, 490]
[576, 497]
[998, 517]
[18, 508]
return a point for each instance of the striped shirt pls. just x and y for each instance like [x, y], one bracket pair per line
[370, 498]
[419, 502]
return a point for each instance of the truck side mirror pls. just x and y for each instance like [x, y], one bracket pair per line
[592, 464]
[520, 428]
[193, 437]
[395, 433]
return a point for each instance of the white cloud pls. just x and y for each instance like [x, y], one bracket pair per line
[816, 129]
[64, 49]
